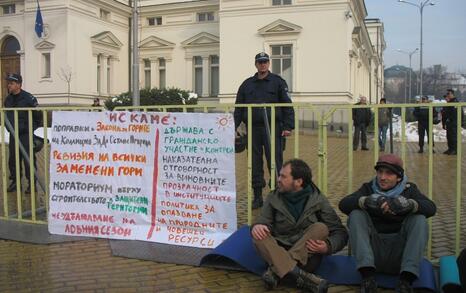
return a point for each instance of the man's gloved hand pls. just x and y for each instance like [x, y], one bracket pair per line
[400, 205]
[374, 202]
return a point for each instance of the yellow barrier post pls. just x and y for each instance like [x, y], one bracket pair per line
[46, 160]
[273, 139]
[4, 174]
[431, 175]
[32, 179]
[350, 150]
[296, 132]
[249, 165]
[18, 166]
[403, 135]
[376, 134]
[459, 145]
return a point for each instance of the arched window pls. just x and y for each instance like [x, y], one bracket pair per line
[10, 46]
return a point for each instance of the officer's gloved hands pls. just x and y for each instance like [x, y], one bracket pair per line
[400, 205]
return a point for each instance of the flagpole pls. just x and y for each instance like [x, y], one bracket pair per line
[135, 75]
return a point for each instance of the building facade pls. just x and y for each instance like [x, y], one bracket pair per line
[327, 51]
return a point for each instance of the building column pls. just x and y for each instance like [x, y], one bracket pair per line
[103, 70]
[154, 72]
[111, 64]
[205, 76]
[22, 66]
[189, 74]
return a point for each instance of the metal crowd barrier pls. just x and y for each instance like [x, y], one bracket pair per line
[322, 114]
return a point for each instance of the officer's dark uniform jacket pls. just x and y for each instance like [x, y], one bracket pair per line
[385, 223]
[271, 89]
[22, 100]
[449, 115]
[287, 231]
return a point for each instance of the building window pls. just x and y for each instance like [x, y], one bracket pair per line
[147, 74]
[214, 75]
[45, 65]
[9, 9]
[282, 62]
[99, 77]
[205, 16]
[104, 14]
[281, 2]
[154, 21]
[198, 75]
[162, 73]
[108, 74]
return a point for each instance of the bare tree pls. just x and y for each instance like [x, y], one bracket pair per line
[66, 74]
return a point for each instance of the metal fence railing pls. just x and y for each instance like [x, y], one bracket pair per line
[32, 208]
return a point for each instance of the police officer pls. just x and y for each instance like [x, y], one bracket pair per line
[264, 87]
[449, 122]
[18, 98]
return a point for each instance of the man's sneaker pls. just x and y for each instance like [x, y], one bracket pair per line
[368, 285]
[447, 152]
[270, 279]
[404, 287]
[12, 186]
[420, 151]
[364, 148]
[308, 282]
[452, 153]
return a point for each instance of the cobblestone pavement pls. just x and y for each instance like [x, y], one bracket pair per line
[88, 266]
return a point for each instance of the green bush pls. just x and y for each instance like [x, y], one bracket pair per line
[155, 96]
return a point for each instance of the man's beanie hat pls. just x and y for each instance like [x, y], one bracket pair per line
[391, 162]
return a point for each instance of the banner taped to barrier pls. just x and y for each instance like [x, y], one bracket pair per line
[161, 177]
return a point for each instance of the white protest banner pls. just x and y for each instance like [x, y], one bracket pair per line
[160, 177]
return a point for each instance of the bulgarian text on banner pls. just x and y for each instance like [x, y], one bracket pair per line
[161, 177]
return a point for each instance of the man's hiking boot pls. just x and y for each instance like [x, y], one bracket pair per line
[308, 282]
[404, 287]
[368, 285]
[270, 279]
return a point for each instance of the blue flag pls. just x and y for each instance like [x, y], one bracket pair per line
[39, 23]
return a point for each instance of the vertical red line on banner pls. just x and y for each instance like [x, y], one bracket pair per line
[154, 186]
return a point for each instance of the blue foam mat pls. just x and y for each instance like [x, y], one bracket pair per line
[337, 269]
[449, 271]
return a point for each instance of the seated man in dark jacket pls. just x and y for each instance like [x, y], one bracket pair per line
[295, 228]
[387, 225]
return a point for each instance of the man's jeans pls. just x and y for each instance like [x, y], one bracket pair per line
[388, 253]
[382, 136]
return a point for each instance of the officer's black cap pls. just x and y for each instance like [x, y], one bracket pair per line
[262, 56]
[14, 77]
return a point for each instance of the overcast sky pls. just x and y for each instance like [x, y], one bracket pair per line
[444, 32]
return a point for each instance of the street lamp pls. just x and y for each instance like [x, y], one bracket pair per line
[406, 78]
[410, 54]
[421, 6]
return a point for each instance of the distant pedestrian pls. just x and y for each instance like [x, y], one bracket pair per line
[422, 115]
[385, 116]
[96, 102]
[449, 122]
[361, 120]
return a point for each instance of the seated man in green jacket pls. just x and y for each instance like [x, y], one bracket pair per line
[387, 225]
[295, 228]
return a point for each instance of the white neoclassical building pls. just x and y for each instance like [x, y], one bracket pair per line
[326, 50]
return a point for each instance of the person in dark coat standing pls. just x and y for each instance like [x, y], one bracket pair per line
[385, 115]
[387, 225]
[264, 87]
[296, 227]
[449, 122]
[361, 120]
[19, 98]
[423, 127]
